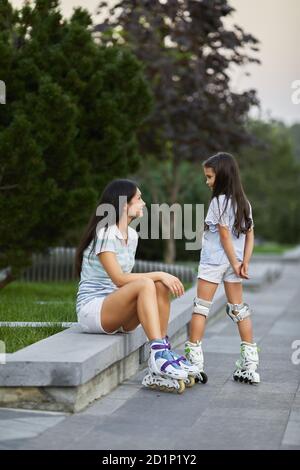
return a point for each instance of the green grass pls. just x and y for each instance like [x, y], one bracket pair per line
[23, 301]
[272, 248]
[18, 338]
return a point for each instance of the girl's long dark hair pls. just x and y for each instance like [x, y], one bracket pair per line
[228, 182]
[110, 195]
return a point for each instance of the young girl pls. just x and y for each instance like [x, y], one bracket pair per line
[111, 299]
[227, 247]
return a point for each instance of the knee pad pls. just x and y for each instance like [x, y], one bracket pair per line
[201, 306]
[238, 312]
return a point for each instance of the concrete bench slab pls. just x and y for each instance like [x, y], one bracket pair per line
[262, 273]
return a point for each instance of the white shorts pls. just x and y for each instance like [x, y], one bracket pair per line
[217, 273]
[89, 318]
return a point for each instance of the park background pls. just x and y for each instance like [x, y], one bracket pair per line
[148, 95]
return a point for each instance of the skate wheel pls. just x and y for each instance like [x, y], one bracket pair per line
[204, 377]
[241, 379]
[236, 378]
[181, 386]
[190, 381]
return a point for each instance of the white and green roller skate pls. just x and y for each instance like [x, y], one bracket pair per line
[194, 355]
[247, 364]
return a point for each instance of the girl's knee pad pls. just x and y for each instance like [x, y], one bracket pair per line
[202, 307]
[238, 312]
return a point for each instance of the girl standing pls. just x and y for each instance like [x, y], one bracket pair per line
[227, 247]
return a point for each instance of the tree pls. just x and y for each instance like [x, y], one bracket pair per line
[295, 134]
[187, 52]
[69, 125]
[271, 176]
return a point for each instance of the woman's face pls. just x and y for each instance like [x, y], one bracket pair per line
[136, 205]
[210, 176]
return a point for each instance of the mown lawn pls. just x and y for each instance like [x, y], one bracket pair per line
[17, 338]
[272, 248]
[35, 301]
[38, 301]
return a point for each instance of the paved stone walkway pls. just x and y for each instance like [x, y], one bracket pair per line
[222, 414]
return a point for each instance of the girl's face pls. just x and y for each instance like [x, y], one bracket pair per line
[210, 176]
[136, 205]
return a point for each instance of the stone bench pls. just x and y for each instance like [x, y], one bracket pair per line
[262, 273]
[69, 370]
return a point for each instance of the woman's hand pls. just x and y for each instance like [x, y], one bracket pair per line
[244, 270]
[173, 283]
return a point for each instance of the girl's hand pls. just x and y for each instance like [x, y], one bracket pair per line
[244, 271]
[237, 268]
[173, 283]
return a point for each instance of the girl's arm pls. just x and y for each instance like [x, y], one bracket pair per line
[227, 244]
[111, 265]
[248, 250]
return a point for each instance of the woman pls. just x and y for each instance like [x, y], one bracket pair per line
[111, 299]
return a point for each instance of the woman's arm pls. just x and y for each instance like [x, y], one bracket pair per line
[119, 278]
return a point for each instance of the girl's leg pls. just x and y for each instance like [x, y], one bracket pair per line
[234, 294]
[206, 291]
[130, 305]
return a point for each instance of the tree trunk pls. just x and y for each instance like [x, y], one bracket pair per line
[9, 278]
[170, 251]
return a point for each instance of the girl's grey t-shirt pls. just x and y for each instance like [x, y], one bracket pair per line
[212, 250]
[94, 280]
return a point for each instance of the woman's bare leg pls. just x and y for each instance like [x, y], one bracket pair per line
[163, 301]
[206, 291]
[134, 303]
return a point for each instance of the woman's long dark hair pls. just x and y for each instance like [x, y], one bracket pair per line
[110, 195]
[228, 182]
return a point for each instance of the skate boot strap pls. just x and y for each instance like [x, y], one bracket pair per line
[164, 347]
[168, 363]
[180, 359]
[167, 342]
[159, 346]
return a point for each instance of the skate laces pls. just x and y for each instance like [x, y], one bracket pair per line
[178, 359]
[163, 352]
